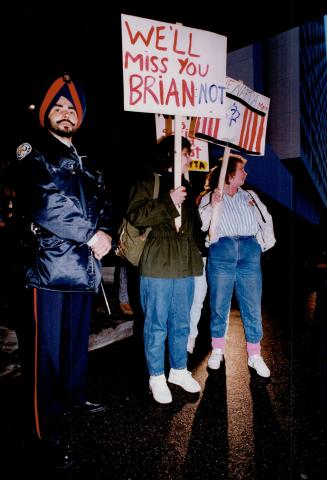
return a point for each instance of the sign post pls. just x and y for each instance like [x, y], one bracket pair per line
[221, 182]
[178, 165]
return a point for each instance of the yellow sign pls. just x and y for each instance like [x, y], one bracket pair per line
[199, 166]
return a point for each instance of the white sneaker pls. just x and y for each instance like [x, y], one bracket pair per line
[257, 362]
[159, 388]
[215, 358]
[190, 344]
[184, 379]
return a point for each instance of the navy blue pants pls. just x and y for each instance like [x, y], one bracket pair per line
[54, 355]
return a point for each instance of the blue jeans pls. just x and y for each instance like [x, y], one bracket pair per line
[166, 303]
[235, 262]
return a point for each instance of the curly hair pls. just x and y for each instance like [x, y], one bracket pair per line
[213, 176]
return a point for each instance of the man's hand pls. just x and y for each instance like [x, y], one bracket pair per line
[102, 244]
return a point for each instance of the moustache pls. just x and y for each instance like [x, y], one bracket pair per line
[66, 120]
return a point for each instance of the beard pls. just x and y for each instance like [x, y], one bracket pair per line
[62, 131]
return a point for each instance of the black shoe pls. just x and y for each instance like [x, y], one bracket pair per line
[49, 455]
[61, 456]
[87, 408]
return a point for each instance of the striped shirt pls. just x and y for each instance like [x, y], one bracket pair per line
[238, 217]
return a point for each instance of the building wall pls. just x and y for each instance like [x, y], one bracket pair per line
[240, 65]
[273, 67]
[313, 73]
[282, 81]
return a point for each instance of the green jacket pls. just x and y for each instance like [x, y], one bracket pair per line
[167, 254]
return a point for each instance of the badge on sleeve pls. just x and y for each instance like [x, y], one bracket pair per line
[23, 150]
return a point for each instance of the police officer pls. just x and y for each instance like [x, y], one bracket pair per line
[62, 200]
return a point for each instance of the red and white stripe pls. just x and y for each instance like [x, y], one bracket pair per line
[207, 126]
[251, 131]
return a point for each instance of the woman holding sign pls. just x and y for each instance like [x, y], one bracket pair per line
[169, 262]
[243, 228]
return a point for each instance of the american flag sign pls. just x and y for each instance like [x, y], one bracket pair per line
[243, 126]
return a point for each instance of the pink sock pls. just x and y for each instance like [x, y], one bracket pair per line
[253, 348]
[218, 343]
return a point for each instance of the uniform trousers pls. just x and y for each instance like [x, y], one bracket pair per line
[54, 352]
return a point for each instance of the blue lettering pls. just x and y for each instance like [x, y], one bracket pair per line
[211, 94]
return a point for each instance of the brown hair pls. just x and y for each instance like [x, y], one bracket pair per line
[213, 176]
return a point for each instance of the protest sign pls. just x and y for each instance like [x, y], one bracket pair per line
[172, 69]
[244, 123]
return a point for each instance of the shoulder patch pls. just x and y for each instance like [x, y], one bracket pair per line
[23, 150]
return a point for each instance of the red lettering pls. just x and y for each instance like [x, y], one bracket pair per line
[197, 151]
[160, 37]
[175, 44]
[172, 92]
[205, 73]
[190, 47]
[188, 94]
[134, 39]
[183, 64]
[146, 62]
[134, 88]
[161, 92]
[148, 83]
[138, 58]
[154, 64]
[191, 69]
[149, 88]
[164, 65]
[158, 65]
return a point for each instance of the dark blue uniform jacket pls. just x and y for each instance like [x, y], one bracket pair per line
[64, 203]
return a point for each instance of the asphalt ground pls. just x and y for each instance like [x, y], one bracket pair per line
[239, 427]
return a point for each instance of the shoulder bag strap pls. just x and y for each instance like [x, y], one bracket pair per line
[156, 185]
[255, 203]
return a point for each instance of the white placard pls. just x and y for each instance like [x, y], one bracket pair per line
[172, 69]
[244, 122]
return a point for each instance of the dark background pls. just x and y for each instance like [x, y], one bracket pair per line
[41, 40]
